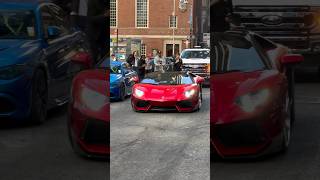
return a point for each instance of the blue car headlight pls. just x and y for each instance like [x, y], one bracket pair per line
[11, 72]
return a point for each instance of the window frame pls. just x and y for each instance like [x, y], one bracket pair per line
[176, 22]
[136, 14]
[116, 14]
[145, 49]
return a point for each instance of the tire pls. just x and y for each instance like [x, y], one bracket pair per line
[39, 97]
[214, 156]
[199, 101]
[287, 128]
[291, 83]
[122, 92]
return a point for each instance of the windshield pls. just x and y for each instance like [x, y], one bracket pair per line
[235, 53]
[195, 54]
[167, 79]
[17, 24]
[115, 69]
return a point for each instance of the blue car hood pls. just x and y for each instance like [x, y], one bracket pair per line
[17, 51]
[115, 78]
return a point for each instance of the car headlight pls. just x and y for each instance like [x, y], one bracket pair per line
[189, 93]
[92, 99]
[138, 93]
[12, 72]
[251, 101]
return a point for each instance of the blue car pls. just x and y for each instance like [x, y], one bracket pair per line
[37, 51]
[122, 78]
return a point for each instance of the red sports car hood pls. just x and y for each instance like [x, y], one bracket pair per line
[164, 92]
[226, 88]
[90, 93]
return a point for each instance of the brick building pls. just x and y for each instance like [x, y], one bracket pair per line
[145, 25]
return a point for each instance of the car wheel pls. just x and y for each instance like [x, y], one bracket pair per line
[287, 128]
[122, 92]
[292, 94]
[199, 101]
[39, 98]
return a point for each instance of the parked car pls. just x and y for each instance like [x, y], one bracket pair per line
[252, 95]
[197, 61]
[168, 91]
[294, 24]
[89, 108]
[39, 55]
[122, 78]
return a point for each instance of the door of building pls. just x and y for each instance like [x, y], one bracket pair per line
[169, 49]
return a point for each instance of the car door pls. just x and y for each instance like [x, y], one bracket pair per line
[273, 53]
[58, 49]
[128, 74]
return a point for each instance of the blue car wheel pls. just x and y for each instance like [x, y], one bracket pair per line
[39, 98]
[122, 94]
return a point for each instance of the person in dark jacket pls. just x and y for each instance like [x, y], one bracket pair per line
[220, 11]
[97, 27]
[91, 16]
[130, 60]
[142, 67]
[178, 63]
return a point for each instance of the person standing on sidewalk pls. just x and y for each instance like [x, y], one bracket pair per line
[149, 64]
[142, 67]
[91, 16]
[178, 63]
[220, 11]
[135, 63]
[130, 60]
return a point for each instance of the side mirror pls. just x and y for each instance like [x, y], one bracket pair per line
[53, 32]
[135, 79]
[291, 59]
[83, 58]
[199, 80]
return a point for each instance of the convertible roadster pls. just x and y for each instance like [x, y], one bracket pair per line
[89, 119]
[252, 95]
[168, 91]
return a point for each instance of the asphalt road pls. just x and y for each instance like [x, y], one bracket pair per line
[302, 161]
[43, 153]
[159, 146]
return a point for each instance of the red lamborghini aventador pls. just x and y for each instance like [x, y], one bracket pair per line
[252, 95]
[168, 91]
[88, 122]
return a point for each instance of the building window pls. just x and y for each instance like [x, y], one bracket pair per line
[113, 13]
[143, 49]
[173, 21]
[142, 13]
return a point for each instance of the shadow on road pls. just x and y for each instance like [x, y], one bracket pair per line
[14, 124]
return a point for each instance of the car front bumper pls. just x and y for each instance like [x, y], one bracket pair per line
[15, 98]
[92, 134]
[185, 105]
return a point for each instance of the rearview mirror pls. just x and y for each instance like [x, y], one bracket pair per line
[83, 58]
[135, 79]
[291, 59]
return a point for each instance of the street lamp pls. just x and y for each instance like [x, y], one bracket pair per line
[173, 28]
[117, 33]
